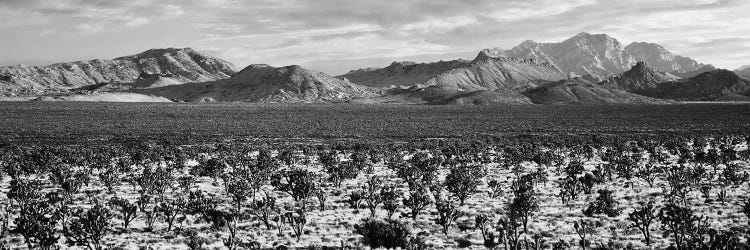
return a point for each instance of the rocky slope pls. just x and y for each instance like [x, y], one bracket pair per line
[690, 74]
[401, 73]
[717, 85]
[640, 77]
[743, 72]
[185, 64]
[662, 59]
[263, 83]
[583, 54]
[581, 91]
[601, 55]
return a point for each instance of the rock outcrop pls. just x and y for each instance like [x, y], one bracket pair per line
[662, 59]
[185, 65]
[263, 83]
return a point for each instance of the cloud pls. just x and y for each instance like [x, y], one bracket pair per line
[321, 32]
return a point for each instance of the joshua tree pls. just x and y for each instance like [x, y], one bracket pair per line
[642, 218]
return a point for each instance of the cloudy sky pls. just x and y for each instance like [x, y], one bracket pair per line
[334, 36]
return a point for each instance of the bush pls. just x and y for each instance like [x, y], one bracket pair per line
[447, 214]
[642, 219]
[524, 202]
[298, 182]
[127, 210]
[463, 181]
[88, 227]
[419, 198]
[604, 204]
[384, 233]
[37, 223]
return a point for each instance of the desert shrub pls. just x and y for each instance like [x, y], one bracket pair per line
[604, 204]
[169, 210]
[681, 223]
[420, 170]
[264, 209]
[144, 203]
[37, 223]
[88, 227]
[584, 229]
[69, 180]
[384, 233]
[419, 198]
[463, 181]
[237, 185]
[212, 167]
[746, 210]
[110, 178]
[194, 240]
[463, 242]
[297, 182]
[297, 220]
[648, 173]
[496, 188]
[447, 214]
[524, 203]
[642, 218]
[127, 210]
[154, 181]
[24, 191]
[588, 181]
[200, 204]
[186, 182]
[372, 194]
[337, 171]
[321, 193]
[389, 195]
[355, 197]
[560, 245]
[679, 180]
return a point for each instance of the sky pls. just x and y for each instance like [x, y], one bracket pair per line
[335, 36]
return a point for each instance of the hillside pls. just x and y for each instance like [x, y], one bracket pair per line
[583, 54]
[640, 77]
[185, 64]
[600, 55]
[401, 73]
[743, 72]
[662, 59]
[263, 83]
[717, 85]
[581, 91]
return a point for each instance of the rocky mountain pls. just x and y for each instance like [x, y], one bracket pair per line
[600, 55]
[717, 85]
[641, 77]
[583, 54]
[580, 91]
[401, 73]
[701, 70]
[743, 71]
[662, 59]
[184, 64]
[263, 83]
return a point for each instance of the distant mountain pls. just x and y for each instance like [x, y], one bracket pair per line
[581, 91]
[743, 71]
[600, 55]
[185, 64]
[691, 74]
[583, 54]
[661, 59]
[263, 83]
[641, 77]
[401, 73]
[717, 85]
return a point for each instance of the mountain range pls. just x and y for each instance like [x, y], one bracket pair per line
[584, 69]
